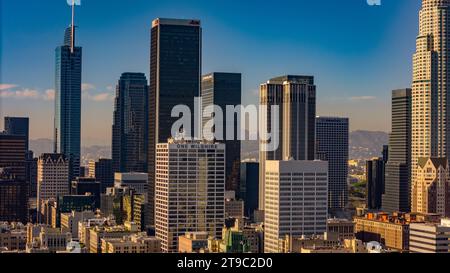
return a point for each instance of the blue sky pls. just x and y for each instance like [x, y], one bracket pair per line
[358, 53]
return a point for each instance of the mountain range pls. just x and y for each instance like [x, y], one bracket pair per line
[363, 145]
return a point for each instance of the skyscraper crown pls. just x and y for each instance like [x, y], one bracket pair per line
[435, 3]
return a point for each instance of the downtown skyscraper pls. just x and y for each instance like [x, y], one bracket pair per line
[397, 193]
[296, 98]
[332, 137]
[13, 184]
[18, 126]
[224, 89]
[190, 190]
[175, 79]
[68, 100]
[297, 200]
[430, 106]
[130, 128]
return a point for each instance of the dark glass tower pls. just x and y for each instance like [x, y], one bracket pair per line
[18, 126]
[13, 197]
[68, 101]
[175, 72]
[332, 145]
[130, 133]
[249, 187]
[398, 173]
[102, 171]
[13, 184]
[224, 89]
[375, 183]
[13, 155]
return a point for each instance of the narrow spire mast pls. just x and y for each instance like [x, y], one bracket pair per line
[72, 40]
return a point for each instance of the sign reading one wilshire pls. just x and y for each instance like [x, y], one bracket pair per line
[212, 130]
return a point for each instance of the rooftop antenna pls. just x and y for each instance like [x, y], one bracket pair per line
[72, 40]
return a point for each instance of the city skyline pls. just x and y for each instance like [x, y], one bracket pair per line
[334, 65]
[281, 172]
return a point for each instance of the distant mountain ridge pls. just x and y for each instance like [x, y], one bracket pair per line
[41, 146]
[363, 145]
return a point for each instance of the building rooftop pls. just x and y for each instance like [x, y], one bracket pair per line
[176, 22]
[437, 162]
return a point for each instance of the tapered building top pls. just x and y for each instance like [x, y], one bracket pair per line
[430, 137]
[69, 35]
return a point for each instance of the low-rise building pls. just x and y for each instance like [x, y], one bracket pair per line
[430, 237]
[13, 236]
[104, 232]
[343, 227]
[392, 231]
[193, 242]
[254, 233]
[135, 243]
[234, 208]
[295, 244]
[349, 246]
[42, 237]
[69, 221]
[237, 238]
[84, 228]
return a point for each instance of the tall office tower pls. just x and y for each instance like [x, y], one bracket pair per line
[385, 153]
[31, 173]
[68, 101]
[102, 171]
[13, 197]
[224, 89]
[130, 128]
[249, 187]
[175, 71]
[271, 95]
[18, 126]
[14, 188]
[190, 190]
[296, 98]
[397, 187]
[296, 200]
[332, 136]
[53, 174]
[13, 154]
[430, 92]
[375, 183]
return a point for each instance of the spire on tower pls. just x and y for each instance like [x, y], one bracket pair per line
[69, 36]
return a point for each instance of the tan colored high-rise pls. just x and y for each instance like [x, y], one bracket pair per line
[431, 189]
[430, 88]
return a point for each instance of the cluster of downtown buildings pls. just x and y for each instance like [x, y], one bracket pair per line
[165, 193]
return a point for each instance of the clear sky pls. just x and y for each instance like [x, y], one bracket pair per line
[358, 53]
